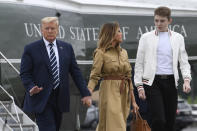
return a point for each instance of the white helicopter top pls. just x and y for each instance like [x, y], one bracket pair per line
[116, 7]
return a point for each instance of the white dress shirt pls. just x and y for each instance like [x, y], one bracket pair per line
[55, 50]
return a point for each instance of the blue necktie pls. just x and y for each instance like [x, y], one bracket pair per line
[54, 68]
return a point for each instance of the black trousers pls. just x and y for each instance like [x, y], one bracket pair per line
[162, 103]
[50, 119]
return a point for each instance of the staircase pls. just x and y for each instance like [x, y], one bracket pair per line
[12, 118]
[9, 120]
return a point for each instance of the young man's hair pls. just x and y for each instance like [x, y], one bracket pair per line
[163, 11]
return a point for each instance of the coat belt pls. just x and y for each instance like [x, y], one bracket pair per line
[122, 78]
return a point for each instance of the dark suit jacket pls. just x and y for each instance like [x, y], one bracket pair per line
[35, 70]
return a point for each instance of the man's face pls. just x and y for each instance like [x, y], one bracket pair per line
[49, 31]
[162, 23]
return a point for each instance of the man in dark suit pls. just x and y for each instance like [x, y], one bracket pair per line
[45, 68]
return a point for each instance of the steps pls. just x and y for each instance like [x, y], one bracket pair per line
[16, 127]
[12, 125]
[9, 119]
[7, 104]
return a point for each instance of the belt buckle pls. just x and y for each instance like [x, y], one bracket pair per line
[164, 76]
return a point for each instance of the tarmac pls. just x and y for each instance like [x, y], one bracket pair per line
[193, 127]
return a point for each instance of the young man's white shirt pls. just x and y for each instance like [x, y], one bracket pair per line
[164, 55]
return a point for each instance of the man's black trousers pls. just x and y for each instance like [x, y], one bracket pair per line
[162, 103]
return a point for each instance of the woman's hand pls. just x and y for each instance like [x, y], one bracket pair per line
[135, 107]
[90, 90]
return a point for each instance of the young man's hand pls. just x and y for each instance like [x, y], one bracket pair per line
[186, 86]
[141, 93]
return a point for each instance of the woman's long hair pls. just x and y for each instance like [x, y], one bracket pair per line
[107, 35]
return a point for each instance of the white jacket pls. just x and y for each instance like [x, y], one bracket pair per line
[145, 66]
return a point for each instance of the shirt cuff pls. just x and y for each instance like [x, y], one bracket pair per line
[140, 88]
[187, 79]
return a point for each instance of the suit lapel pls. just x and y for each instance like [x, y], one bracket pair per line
[60, 53]
[44, 53]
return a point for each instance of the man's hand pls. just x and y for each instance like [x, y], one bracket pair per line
[87, 100]
[186, 86]
[35, 90]
[141, 94]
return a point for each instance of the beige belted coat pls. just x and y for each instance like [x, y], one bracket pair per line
[114, 106]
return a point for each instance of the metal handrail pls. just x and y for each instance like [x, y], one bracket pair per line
[12, 98]
[17, 121]
[9, 63]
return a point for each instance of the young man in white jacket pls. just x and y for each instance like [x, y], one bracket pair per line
[156, 73]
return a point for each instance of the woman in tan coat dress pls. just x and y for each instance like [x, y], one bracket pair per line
[116, 91]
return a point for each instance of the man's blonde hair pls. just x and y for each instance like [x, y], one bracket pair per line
[50, 19]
